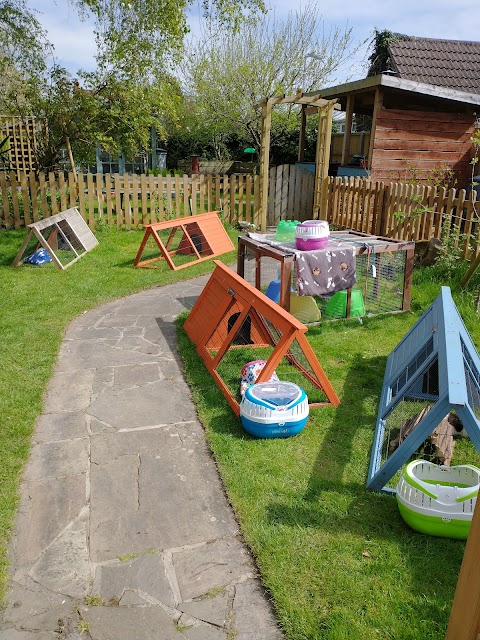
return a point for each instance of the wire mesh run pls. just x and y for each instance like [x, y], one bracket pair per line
[269, 270]
[382, 281]
[254, 339]
[472, 376]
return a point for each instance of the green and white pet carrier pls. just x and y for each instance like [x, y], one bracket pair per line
[438, 500]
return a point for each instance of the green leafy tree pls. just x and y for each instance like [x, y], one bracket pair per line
[132, 88]
[226, 74]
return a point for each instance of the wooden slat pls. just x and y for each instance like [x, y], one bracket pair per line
[73, 188]
[233, 184]
[201, 193]
[193, 195]
[7, 221]
[186, 195]
[62, 191]
[52, 184]
[108, 198]
[240, 212]
[91, 200]
[25, 199]
[168, 188]
[118, 200]
[248, 199]
[154, 197]
[33, 186]
[143, 195]
[16, 209]
[178, 191]
[81, 196]
[135, 190]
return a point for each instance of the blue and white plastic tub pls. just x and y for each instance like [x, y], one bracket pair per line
[274, 409]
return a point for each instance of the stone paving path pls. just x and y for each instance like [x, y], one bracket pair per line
[123, 531]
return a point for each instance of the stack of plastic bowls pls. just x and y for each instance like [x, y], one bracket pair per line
[286, 231]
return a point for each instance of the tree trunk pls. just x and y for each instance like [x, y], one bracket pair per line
[70, 157]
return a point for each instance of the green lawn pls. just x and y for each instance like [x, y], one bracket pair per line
[338, 560]
[36, 304]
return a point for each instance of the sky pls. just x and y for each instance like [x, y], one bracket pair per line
[457, 20]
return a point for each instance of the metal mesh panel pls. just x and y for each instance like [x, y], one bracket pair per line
[411, 407]
[179, 245]
[249, 344]
[62, 242]
[381, 278]
[269, 269]
[296, 368]
[429, 384]
[472, 376]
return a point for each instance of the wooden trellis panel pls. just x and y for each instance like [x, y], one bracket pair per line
[201, 237]
[19, 143]
[228, 306]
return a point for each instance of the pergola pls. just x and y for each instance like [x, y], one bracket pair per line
[325, 110]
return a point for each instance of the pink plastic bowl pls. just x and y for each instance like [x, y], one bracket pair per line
[310, 244]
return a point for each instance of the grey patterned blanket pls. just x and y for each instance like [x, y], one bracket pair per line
[321, 271]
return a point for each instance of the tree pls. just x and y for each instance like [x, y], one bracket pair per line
[131, 89]
[227, 74]
[139, 37]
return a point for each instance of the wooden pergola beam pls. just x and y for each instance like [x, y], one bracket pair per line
[298, 98]
[264, 162]
[323, 147]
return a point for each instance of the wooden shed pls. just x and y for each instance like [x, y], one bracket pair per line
[415, 127]
[421, 97]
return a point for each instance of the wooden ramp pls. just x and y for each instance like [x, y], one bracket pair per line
[232, 323]
[184, 241]
[65, 236]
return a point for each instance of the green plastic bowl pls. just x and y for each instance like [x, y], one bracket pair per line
[336, 307]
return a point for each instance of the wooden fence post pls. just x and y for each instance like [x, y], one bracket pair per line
[464, 621]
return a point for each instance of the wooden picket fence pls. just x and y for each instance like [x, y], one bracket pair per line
[129, 202]
[399, 211]
[291, 191]
[406, 212]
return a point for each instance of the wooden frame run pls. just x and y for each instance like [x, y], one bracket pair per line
[69, 227]
[325, 108]
[203, 237]
[221, 312]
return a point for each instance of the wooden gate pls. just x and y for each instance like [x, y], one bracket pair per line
[290, 194]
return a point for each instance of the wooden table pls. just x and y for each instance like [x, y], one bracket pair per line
[364, 243]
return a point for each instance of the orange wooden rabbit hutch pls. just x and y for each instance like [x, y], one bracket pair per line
[185, 241]
[233, 323]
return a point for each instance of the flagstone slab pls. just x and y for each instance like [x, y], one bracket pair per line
[146, 574]
[57, 459]
[211, 567]
[157, 403]
[51, 427]
[137, 623]
[69, 391]
[46, 508]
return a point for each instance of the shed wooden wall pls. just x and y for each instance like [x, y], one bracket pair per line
[424, 140]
